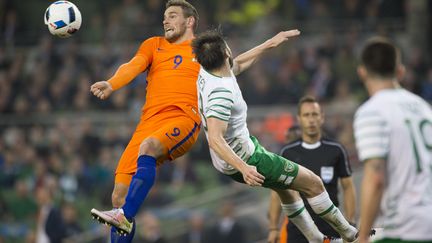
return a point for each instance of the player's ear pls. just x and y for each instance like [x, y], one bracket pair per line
[362, 72]
[190, 21]
[227, 53]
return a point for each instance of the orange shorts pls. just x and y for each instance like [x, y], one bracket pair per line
[174, 129]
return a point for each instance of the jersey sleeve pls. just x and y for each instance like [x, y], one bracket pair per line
[220, 103]
[138, 64]
[372, 135]
[343, 163]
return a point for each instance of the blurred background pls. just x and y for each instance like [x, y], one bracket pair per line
[59, 145]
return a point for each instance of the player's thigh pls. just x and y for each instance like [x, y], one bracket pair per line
[278, 171]
[127, 164]
[177, 135]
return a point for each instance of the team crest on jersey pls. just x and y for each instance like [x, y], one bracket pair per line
[289, 167]
[327, 173]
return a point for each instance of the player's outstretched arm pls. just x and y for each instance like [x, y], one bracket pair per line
[371, 193]
[128, 71]
[216, 129]
[246, 59]
[124, 74]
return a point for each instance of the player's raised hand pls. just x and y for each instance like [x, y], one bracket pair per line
[251, 176]
[101, 89]
[282, 37]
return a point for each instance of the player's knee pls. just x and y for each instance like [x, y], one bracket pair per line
[316, 186]
[151, 147]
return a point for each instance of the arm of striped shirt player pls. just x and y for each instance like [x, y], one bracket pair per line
[246, 59]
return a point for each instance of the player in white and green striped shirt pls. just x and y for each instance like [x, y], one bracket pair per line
[393, 132]
[237, 154]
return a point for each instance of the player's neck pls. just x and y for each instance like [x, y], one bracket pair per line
[188, 35]
[311, 139]
[374, 86]
[224, 71]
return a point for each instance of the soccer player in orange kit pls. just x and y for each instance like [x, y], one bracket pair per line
[170, 121]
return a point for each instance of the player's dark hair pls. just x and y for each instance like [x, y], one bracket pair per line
[210, 49]
[380, 57]
[305, 99]
[188, 10]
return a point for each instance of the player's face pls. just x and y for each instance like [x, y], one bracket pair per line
[174, 23]
[310, 119]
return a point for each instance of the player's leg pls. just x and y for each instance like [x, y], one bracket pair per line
[150, 150]
[174, 137]
[127, 166]
[311, 186]
[294, 208]
[125, 170]
[281, 173]
[167, 136]
[122, 219]
[118, 196]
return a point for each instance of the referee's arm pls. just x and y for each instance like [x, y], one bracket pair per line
[349, 193]
[349, 198]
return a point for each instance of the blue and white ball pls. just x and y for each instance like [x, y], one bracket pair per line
[63, 18]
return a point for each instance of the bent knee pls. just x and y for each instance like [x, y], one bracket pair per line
[316, 186]
[152, 147]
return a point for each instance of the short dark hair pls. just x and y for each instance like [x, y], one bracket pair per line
[188, 10]
[380, 57]
[210, 49]
[305, 99]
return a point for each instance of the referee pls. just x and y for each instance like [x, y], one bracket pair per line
[326, 158]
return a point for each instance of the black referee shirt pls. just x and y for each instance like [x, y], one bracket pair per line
[327, 159]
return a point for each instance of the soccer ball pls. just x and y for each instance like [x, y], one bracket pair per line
[63, 18]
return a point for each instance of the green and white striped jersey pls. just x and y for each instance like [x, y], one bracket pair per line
[396, 125]
[221, 98]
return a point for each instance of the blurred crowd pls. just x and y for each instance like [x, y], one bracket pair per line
[39, 73]
[45, 74]
[51, 172]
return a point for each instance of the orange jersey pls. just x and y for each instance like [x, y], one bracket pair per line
[171, 78]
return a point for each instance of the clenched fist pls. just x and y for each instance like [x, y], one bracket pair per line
[101, 89]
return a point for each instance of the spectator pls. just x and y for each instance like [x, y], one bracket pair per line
[49, 225]
[227, 229]
[69, 216]
[150, 231]
[196, 232]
